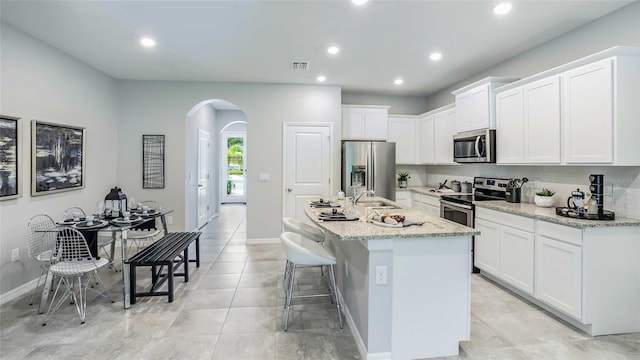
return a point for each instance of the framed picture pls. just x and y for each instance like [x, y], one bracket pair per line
[10, 187]
[57, 158]
[153, 161]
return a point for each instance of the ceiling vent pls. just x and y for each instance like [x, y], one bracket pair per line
[300, 65]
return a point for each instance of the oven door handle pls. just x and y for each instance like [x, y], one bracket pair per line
[468, 207]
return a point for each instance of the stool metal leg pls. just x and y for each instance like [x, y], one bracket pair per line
[332, 275]
[289, 295]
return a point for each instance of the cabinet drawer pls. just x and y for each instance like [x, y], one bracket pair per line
[431, 200]
[416, 197]
[402, 195]
[560, 232]
[515, 221]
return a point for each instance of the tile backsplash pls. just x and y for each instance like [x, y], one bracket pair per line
[622, 184]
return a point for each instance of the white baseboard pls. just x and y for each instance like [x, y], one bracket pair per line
[259, 241]
[362, 348]
[19, 291]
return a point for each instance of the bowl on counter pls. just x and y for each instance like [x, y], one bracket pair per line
[544, 201]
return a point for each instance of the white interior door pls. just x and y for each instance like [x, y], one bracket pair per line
[307, 166]
[234, 169]
[204, 140]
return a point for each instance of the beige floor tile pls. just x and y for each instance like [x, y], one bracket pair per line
[251, 346]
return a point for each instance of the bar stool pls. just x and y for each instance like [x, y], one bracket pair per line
[304, 252]
[304, 229]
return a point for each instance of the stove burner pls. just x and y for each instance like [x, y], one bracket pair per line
[572, 213]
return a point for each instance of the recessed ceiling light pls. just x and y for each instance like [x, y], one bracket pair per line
[148, 42]
[502, 8]
[398, 81]
[435, 56]
[322, 78]
[333, 50]
[359, 2]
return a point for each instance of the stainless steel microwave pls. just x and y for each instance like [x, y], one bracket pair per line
[477, 146]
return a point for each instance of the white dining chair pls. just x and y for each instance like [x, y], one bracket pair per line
[40, 245]
[304, 252]
[72, 262]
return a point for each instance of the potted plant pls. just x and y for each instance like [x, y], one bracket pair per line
[544, 198]
[403, 177]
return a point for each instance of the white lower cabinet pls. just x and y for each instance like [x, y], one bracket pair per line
[505, 247]
[426, 203]
[403, 198]
[558, 268]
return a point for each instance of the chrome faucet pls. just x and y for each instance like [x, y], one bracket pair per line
[355, 197]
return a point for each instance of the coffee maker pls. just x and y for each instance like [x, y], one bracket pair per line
[575, 207]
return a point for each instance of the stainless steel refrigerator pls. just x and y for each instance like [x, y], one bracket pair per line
[369, 165]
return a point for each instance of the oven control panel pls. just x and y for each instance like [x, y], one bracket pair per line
[490, 183]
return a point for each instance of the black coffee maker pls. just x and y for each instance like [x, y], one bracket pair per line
[597, 190]
[597, 193]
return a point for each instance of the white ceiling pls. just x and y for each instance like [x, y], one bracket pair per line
[255, 41]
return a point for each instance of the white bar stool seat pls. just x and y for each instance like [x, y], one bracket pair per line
[304, 252]
[304, 229]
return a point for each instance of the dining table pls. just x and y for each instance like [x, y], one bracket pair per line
[114, 227]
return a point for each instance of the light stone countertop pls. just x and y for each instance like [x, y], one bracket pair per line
[362, 230]
[532, 211]
[549, 214]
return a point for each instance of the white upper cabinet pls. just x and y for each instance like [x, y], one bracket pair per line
[582, 113]
[403, 130]
[475, 104]
[444, 129]
[361, 122]
[588, 113]
[528, 123]
[427, 139]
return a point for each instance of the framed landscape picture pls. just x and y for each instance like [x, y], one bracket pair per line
[57, 158]
[9, 158]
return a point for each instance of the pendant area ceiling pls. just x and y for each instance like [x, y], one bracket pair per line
[257, 41]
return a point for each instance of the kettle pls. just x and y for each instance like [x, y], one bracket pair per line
[575, 200]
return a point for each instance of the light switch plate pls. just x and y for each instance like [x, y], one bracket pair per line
[263, 177]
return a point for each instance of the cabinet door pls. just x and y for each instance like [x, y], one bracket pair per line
[480, 118]
[353, 123]
[426, 140]
[403, 132]
[516, 258]
[430, 209]
[510, 127]
[558, 275]
[376, 124]
[444, 129]
[587, 100]
[464, 106]
[487, 247]
[542, 121]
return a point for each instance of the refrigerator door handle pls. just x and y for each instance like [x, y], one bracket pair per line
[373, 168]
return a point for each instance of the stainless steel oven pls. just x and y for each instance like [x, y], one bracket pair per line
[459, 213]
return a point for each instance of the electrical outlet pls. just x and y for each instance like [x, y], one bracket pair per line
[381, 275]
[346, 268]
[169, 220]
[15, 254]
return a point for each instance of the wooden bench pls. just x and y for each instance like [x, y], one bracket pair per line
[169, 252]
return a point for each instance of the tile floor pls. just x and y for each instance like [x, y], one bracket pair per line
[232, 309]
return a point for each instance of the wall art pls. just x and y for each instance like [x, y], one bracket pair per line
[57, 158]
[10, 186]
[153, 161]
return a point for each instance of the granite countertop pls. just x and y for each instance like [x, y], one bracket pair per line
[362, 230]
[533, 211]
[549, 214]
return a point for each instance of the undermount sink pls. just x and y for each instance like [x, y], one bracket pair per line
[377, 205]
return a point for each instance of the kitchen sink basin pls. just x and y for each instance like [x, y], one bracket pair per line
[377, 205]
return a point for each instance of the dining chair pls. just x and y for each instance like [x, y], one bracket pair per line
[40, 245]
[68, 214]
[304, 252]
[72, 262]
[144, 235]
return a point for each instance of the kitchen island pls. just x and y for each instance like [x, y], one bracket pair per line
[406, 291]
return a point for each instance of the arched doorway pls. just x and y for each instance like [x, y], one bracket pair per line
[204, 123]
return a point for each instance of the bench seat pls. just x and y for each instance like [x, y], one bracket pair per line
[170, 252]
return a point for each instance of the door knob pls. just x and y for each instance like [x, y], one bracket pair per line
[289, 189]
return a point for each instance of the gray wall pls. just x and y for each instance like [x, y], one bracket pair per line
[400, 105]
[621, 27]
[40, 82]
[161, 107]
